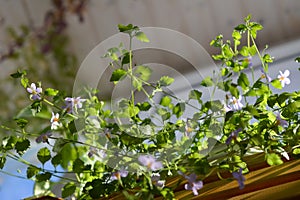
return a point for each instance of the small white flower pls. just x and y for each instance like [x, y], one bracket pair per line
[283, 78]
[55, 124]
[236, 103]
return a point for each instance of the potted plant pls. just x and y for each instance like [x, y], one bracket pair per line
[146, 149]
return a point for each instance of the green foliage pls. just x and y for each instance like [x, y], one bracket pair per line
[44, 155]
[68, 190]
[96, 144]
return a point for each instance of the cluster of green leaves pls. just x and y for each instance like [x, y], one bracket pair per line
[94, 142]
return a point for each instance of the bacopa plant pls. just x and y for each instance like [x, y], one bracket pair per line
[103, 154]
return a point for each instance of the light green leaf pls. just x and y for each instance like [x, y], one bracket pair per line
[207, 82]
[117, 75]
[276, 84]
[44, 155]
[274, 159]
[166, 81]
[141, 37]
[165, 101]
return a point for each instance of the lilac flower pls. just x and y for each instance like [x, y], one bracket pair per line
[283, 78]
[74, 102]
[239, 177]
[236, 103]
[280, 121]
[150, 162]
[265, 75]
[94, 151]
[43, 137]
[55, 124]
[227, 108]
[118, 174]
[193, 184]
[155, 178]
[233, 135]
[34, 91]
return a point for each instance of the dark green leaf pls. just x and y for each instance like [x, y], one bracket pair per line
[297, 59]
[127, 29]
[56, 160]
[243, 81]
[18, 74]
[143, 106]
[43, 177]
[2, 161]
[22, 145]
[117, 75]
[78, 166]
[125, 59]
[68, 190]
[44, 155]
[32, 171]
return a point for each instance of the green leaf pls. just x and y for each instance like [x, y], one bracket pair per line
[276, 84]
[10, 142]
[267, 58]
[195, 94]
[166, 81]
[141, 37]
[59, 144]
[165, 101]
[296, 151]
[24, 82]
[241, 28]
[243, 81]
[43, 177]
[207, 82]
[19, 74]
[68, 190]
[125, 59]
[44, 155]
[32, 171]
[127, 29]
[142, 72]
[236, 35]
[244, 51]
[78, 166]
[56, 160]
[117, 75]
[22, 145]
[21, 122]
[274, 159]
[144, 106]
[178, 109]
[297, 59]
[51, 92]
[2, 161]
